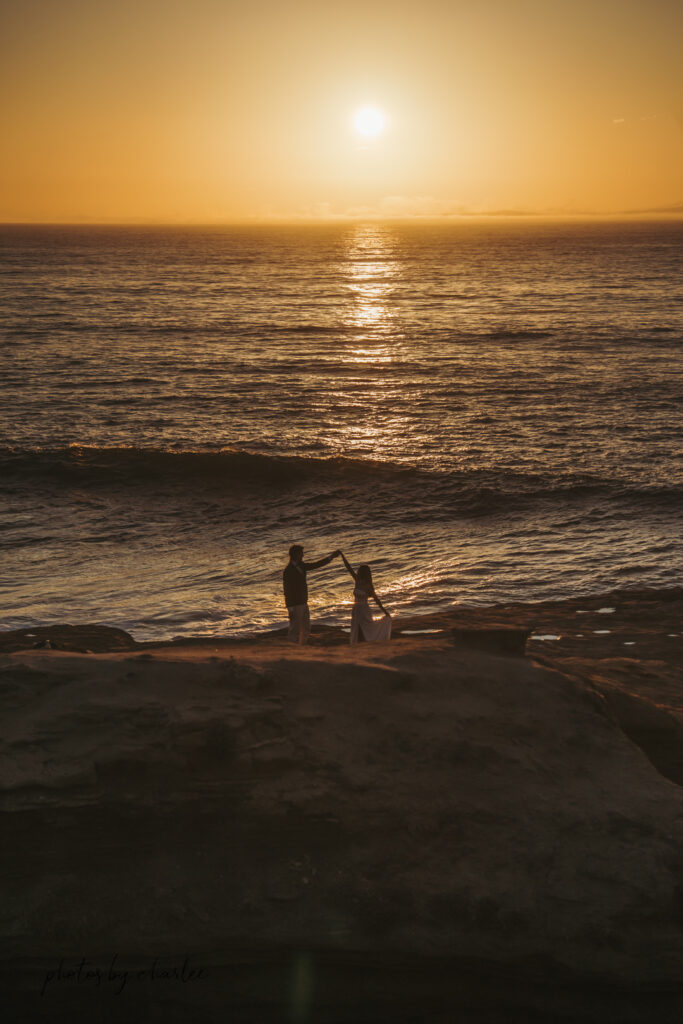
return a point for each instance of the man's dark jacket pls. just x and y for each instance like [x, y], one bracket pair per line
[294, 580]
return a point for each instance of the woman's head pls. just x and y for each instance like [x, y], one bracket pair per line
[365, 576]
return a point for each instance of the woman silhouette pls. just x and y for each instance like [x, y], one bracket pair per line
[363, 626]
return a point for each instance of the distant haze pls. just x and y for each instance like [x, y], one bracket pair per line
[216, 111]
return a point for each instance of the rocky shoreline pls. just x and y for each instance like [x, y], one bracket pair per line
[402, 833]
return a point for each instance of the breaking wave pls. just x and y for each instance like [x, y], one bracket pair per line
[230, 470]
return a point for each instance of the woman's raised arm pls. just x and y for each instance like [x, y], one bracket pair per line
[347, 564]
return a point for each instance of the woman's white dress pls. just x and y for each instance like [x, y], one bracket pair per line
[375, 631]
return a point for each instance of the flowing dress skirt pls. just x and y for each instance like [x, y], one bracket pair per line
[375, 631]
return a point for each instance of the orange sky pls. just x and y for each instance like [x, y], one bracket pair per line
[214, 111]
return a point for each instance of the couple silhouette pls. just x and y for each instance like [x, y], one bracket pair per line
[363, 626]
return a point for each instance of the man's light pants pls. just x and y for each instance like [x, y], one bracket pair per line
[299, 623]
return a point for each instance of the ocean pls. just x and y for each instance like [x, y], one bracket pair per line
[485, 412]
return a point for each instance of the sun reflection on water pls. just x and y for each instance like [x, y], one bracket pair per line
[371, 274]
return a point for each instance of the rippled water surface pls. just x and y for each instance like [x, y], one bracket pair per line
[481, 411]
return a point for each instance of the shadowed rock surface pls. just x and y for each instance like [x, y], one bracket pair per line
[494, 641]
[404, 833]
[86, 639]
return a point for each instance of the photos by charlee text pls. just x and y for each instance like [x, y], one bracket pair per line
[91, 973]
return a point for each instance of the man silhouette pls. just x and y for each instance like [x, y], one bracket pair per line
[296, 592]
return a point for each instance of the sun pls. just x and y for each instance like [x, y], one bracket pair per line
[369, 122]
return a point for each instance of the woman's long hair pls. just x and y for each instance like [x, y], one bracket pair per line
[365, 578]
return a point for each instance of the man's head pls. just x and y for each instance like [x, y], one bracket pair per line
[296, 552]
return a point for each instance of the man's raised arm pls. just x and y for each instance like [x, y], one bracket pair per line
[319, 564]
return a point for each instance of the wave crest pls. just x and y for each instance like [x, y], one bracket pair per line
[145, 466]
[403, 491]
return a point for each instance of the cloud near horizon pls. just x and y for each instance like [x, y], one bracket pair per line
[407, 207]
[397, 207]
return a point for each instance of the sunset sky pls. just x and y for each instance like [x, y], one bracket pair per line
[215, 110]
